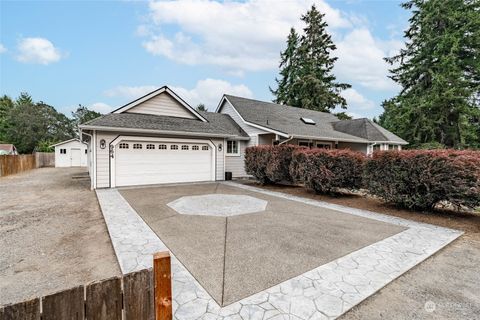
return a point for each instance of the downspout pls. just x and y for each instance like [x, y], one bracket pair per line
[91, 155]
[373, 144]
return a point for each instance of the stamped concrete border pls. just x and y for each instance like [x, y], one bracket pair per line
[325, 292]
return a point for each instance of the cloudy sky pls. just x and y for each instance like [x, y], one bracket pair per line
[103, 54]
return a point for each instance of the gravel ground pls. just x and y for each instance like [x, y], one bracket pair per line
[445, 286]
[52, 234]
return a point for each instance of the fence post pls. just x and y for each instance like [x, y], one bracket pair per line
[163, 285]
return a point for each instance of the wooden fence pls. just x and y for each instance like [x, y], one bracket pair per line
[137, 295]
[10, 164]
[45, 159]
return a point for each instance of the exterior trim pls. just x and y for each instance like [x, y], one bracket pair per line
[155, 93]
[67, 141]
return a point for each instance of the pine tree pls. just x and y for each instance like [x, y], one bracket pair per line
[439, 72]
[306, 68]
[288, 66]
[315, 85]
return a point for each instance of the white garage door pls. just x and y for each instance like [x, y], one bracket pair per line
[143, 162]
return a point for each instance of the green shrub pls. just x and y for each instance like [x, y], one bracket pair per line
[420, 179]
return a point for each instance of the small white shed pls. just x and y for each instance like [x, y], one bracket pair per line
[71, 153]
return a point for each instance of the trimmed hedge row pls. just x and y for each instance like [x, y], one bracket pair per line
[415, 179]
[419, 179]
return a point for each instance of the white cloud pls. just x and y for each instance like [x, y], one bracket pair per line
[129, 92]
[101, 107]
[209, 92]
[206, 91]
[37, 50]
[360, 59]
[233, 35]
[2, 48]
[356, 101]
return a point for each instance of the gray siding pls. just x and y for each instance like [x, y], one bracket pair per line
[236, 164]
[162, 105]
[103, 160]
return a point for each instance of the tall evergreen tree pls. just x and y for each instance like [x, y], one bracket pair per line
[307, 80]
[284, 93]
[439, 72]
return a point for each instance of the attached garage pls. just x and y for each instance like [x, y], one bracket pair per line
[137, 161]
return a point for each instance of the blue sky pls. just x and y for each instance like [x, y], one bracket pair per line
[103, 54]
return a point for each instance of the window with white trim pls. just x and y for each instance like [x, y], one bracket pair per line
[123, 145]
[205, 148]
[304, 144]
[322, 145]
[232, 147]
[162, 146]
[63, 151]
[173, 147]
[185, 147]
[195, 148]
[150, 146]
[137, 146]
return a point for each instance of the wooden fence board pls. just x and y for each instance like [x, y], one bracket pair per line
[138, 295]
[27, 310]
[163, 285]
[64, 305]
[15, 164]
[104, 300]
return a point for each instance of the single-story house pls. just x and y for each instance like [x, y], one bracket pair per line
[8, 149]
[159, 138]
[71, 153]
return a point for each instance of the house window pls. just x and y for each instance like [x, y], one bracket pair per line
[184, 147]
[232, 147]
[173, 147]
[162, 146]
[195, 148]
[392, 147]
[204, 148]
[324, 145]
[150, 146]
[123, 146]
[63, 151]
[137, 146]
[304, 144]
[376, 147]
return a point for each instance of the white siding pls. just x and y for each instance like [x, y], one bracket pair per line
[237, 164]
[103, 160]
[163, 105]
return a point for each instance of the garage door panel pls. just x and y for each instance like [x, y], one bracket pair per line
[156, 166]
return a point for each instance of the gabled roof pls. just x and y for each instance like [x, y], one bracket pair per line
[67, 141]
[155, 93]
[221, 125]
[288, 120]
[367, 129]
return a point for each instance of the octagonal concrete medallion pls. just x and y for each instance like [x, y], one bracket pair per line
[220, 205]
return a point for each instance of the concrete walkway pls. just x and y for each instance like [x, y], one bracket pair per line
[322, 293]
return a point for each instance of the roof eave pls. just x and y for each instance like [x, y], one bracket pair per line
[167, 132]
[330, 139]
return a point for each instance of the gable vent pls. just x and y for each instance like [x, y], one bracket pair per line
[307, 121]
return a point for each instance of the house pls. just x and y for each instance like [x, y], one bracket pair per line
[159, 138]
[8, 149]
[71, 153]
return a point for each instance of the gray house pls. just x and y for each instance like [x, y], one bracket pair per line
[159, 138]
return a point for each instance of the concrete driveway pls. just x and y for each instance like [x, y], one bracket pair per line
[236, 256]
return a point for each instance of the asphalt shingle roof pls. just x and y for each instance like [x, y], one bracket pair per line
[288, 119]
[367, 129]
[217, 123]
